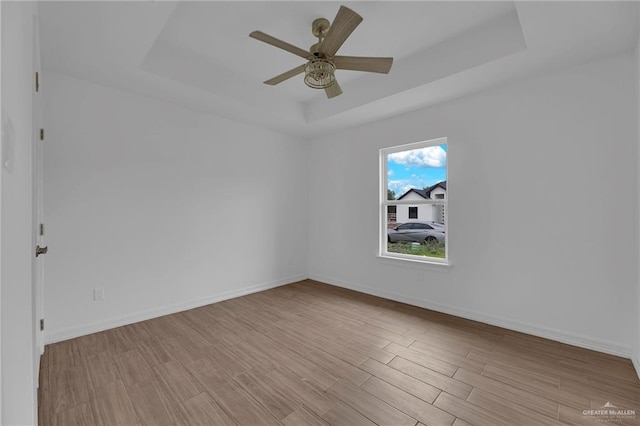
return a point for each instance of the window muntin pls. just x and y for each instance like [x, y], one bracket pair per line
[413, 185]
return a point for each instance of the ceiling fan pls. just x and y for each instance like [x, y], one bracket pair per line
[319, 71]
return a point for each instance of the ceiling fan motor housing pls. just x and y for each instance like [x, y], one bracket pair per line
[319, 27]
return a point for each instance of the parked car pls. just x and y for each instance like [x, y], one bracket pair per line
[422, 232]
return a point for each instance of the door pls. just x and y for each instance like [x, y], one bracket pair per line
[38, 227]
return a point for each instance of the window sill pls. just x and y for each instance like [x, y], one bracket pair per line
[415, 263]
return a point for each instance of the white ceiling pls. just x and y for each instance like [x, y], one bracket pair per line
[200, 55]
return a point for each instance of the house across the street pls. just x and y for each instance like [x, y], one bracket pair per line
[420, 212]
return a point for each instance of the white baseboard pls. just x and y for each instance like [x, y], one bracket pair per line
[552, 334]
[72, 332]
[547, 333]
[635, 359]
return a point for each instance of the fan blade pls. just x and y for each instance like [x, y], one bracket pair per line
[285, 75]
[259, 35]
[361, 63]
[343, 25]
[333, 90]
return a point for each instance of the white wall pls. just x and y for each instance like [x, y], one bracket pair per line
[161, 206]
[18, 348]
[532, 247]
[636, 352]
[1, 173]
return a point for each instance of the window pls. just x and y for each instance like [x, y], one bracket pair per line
[391, 214]
[413, 186]
[421, 226]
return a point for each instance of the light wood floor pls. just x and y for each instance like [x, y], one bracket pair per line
[313, 354]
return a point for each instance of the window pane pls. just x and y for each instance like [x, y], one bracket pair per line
[413, 212]
[418, 238]
[417, 174]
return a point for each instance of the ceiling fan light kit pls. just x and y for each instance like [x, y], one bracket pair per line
[322, 62]
[319, 73]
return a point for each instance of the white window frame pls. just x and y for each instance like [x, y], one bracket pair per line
[383, 252]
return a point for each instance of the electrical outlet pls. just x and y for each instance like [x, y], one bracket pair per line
[98, 294]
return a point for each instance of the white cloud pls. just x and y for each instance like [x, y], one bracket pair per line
[401, 186]
[390, 173]
[431, 156]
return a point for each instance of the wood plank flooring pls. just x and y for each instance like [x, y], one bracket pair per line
[313, 354]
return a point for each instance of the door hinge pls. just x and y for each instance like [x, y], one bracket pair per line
[42, 229]
[41, 324]
[41, 134]
[37, 81]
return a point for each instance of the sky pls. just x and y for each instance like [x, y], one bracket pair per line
[416, 168]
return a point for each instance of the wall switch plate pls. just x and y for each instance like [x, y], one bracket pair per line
[98, 294]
